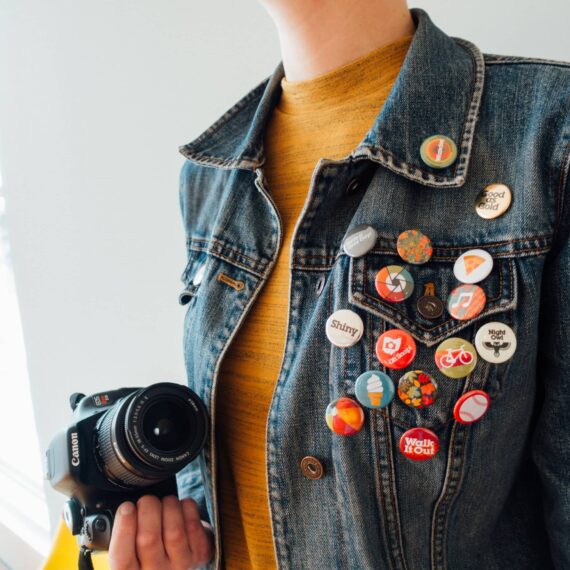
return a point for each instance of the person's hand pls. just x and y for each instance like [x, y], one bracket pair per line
[160, 535]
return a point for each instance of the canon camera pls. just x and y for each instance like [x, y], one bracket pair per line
[123, 444]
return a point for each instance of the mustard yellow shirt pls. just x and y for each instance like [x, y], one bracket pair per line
[326, 116]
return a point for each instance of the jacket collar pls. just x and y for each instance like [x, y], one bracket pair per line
[437, 91]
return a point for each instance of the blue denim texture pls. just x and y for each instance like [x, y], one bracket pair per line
[497, 495]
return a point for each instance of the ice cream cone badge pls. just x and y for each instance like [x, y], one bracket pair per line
[375, 390]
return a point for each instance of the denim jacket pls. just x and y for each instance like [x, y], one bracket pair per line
[497, 495]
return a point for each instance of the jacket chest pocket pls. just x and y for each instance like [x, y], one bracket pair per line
[434, 278]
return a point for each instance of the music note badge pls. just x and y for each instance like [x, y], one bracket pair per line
[466, 302]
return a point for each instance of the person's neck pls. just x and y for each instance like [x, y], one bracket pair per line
[317, 36]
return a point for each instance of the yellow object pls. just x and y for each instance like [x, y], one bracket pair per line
[65, 552]
[326, 116]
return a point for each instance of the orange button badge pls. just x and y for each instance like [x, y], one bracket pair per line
[344, 416]
[395, 348]
[456, 357]
[438, 151]
[394, 283]
[417, 389]
[414, 247]
[466, 302]
[419, 444]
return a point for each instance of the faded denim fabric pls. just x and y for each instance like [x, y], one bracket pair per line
[497, 495]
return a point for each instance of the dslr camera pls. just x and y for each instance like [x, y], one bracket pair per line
[123, 444]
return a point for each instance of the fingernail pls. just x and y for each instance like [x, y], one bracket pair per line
[127, 508]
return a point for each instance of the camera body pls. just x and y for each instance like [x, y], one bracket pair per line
[121, 445]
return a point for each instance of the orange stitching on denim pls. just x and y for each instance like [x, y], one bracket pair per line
[237, 285]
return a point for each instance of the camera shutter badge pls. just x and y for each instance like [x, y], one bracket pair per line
[394, 283]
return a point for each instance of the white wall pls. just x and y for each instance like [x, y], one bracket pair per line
[95, 98]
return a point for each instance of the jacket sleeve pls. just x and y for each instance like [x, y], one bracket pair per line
[551, 438]
[189, 480]
[190, 484]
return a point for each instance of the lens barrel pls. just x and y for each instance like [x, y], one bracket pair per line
[151, 434]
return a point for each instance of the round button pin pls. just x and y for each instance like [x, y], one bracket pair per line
[473, 266]
[495, 342]
[395, 349]
[417, 389]
[430, 307]
[344, 328]
[394, 283]
[374, 389]
[344, 416]
[359, 240]
[466, 302]
[438, 151]
[493, 201]
[471, 407]
[456, 357]
[419, 444]
[414, 247]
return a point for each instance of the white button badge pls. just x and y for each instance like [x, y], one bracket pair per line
[473, 266]
[495, 342]
[344, 328]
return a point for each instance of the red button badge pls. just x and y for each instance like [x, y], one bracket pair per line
[419, 444]
[471, 407]
[395, 348]
[344, 416]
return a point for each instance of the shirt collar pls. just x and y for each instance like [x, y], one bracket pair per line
[438, 91]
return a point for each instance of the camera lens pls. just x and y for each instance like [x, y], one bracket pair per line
[166, 426]
[151, 434]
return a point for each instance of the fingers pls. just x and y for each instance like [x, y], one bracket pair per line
[200, 538]
[122, 553]
[149, 545]
[174, 534]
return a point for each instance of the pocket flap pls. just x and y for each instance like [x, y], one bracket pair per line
[500, 288]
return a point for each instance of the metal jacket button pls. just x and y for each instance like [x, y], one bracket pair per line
[311, 467]
[430, 307]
